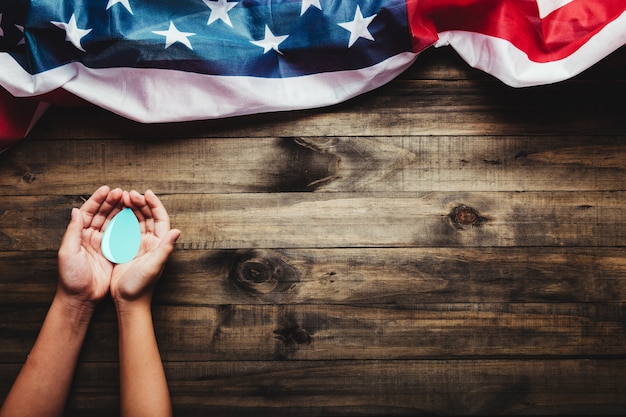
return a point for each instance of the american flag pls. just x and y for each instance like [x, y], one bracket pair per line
[178, 60]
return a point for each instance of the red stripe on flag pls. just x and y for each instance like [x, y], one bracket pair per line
[553, 38]
[569, 27]
[423, 30]
[16, 116]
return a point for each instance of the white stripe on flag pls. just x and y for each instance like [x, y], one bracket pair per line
[548, 6]
[20, 83]
[157, 95]
[512, 66]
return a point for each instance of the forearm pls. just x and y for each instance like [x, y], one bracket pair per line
[42, 387]
[144, 390]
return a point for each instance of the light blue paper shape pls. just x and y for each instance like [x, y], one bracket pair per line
[122, 237]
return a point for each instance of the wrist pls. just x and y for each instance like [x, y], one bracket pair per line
[133, 317]
[131, 308]
[75, 311]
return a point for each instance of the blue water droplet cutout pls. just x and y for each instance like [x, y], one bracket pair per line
[122, 237]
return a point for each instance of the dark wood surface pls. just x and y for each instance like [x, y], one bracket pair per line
[443, 245]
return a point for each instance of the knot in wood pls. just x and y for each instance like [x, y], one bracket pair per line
[29, 177]
[294, 335]
[257, 275]
[466, 216]
[262, 273]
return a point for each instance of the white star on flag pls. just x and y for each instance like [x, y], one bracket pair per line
[358, 27]
[219, 10]
[548, 6]
[125, 3]
[308, 3]
[173, 35]
[73, 33]
[270, 41]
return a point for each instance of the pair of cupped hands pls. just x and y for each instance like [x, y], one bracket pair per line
[86, 276]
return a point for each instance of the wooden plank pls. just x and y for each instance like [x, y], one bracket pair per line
[338, 164]
[366, 276]
[288, 220]
[313, 388]
[446, 64]
[403, 107]
[320, 332]
[464, 251]
[426, 387]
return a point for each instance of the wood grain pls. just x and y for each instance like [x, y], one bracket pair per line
[451, 387]
[314, 332]
[320, 164]
[444, 245]
[357, 276]
[280, 220]
[404, 107]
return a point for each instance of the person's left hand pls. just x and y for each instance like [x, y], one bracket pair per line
[84, 272]
[133, 282]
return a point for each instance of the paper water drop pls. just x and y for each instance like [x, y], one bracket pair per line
[122, 237]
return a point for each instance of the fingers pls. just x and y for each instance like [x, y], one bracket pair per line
[103, 204]
[96, 199]
[73, 234]
[148, 209]
[150, 212]
[159, 214]
[92, 205]
[158, 210]
[137, 203]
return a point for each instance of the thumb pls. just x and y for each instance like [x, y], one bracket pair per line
[73, 233]
[166, 247]
[159, 256]
[168, 242]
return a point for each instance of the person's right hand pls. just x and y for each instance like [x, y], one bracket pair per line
[84, 272]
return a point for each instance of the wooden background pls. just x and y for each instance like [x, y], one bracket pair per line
[443, 245]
